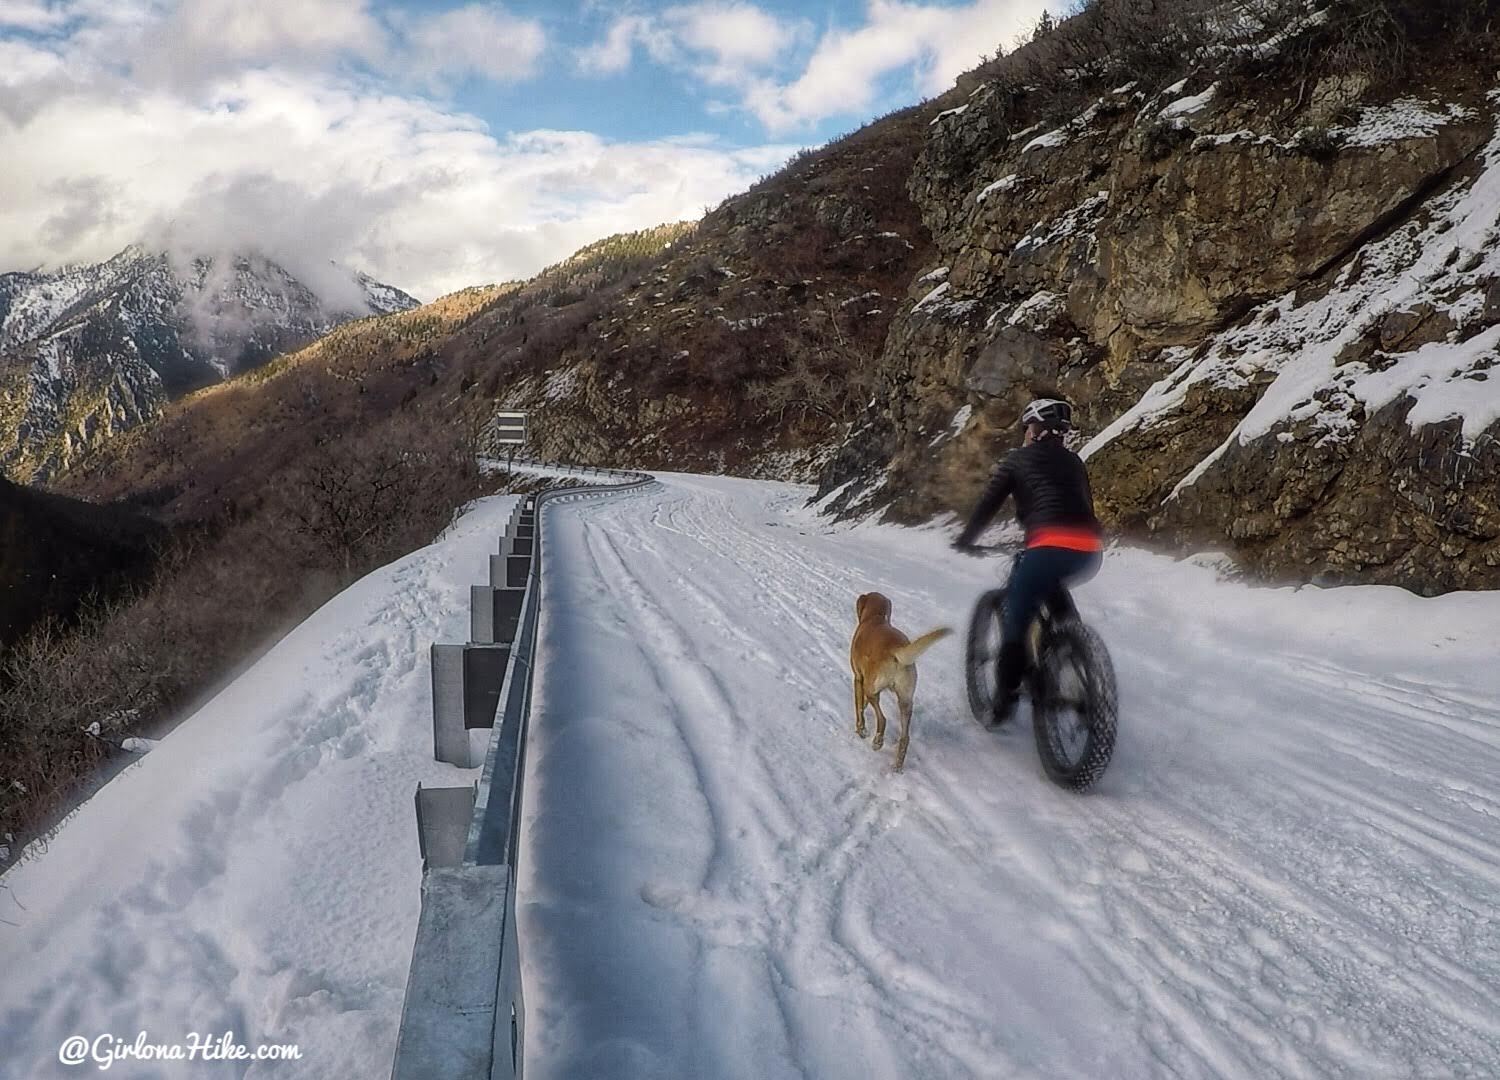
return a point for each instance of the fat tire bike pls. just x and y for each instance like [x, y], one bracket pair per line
[1070, 682]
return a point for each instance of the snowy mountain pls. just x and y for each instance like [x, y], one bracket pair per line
[89, 350]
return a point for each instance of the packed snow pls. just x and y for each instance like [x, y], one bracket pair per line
[257, 871]
[1288, 870]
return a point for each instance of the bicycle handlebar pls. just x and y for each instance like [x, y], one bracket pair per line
[985, 550]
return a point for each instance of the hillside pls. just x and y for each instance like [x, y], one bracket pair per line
[740, 343]
[55, 551]
[91, 350]
[1255, 251]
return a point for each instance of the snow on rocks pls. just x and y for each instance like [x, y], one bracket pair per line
[936, 304]
[1038, 312]
[1049, 141]
[932, 297]
[1329, 358]
[956, 111]
[749, 322]
[1000, 186]
[1084, 216]
[955, 427]
[1189, 106]
[1406, 118]
[560, 384]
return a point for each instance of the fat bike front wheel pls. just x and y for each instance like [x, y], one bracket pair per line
[1075, 711]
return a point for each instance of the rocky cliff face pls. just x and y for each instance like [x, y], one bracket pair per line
[1277, 305]
[88, 351]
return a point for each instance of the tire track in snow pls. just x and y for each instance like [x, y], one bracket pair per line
[1218, 923]
[781, 917]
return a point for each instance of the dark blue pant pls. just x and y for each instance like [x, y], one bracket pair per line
[1038, 572]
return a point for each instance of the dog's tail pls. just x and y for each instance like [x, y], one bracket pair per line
[906, 655]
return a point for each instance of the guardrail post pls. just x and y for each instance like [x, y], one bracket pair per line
[517, 545]
[450, 738]
[443, 824]
[494, 614]
[509, 571]
[466, 681]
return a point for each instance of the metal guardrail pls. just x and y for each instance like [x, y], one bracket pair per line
[464, 1013]
[492, 835]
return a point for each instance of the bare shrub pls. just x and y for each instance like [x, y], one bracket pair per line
[824, 373]
[219, 592]
[1384, 40]
[357, 500]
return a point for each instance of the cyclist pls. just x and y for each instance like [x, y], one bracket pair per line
[1063, 539]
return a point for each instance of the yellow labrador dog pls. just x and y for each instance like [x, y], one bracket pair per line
[883, 659]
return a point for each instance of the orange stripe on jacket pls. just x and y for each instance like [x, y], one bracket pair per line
[1060, 536]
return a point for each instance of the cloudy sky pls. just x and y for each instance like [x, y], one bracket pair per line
[433, 145]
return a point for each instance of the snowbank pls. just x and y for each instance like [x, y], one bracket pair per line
[257, 872]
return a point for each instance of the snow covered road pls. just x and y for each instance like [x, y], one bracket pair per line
[1292, 868]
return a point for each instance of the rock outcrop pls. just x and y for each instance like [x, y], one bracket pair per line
[1276, 306]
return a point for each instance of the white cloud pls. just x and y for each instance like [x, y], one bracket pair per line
[720, 43]
[32, 15]
[189, 45]
[199, 40]
[613, 54]
[481, 39]
[739, 46]
[735, 35]
[296, 128]
[843, 75]
[307, 168]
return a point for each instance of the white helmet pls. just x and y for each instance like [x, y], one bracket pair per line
[1050, 414]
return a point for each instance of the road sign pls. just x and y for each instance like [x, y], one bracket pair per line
[510, 428]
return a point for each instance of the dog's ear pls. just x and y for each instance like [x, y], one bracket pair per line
[859, 606]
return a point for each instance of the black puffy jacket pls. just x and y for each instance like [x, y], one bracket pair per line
[1051, 486]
